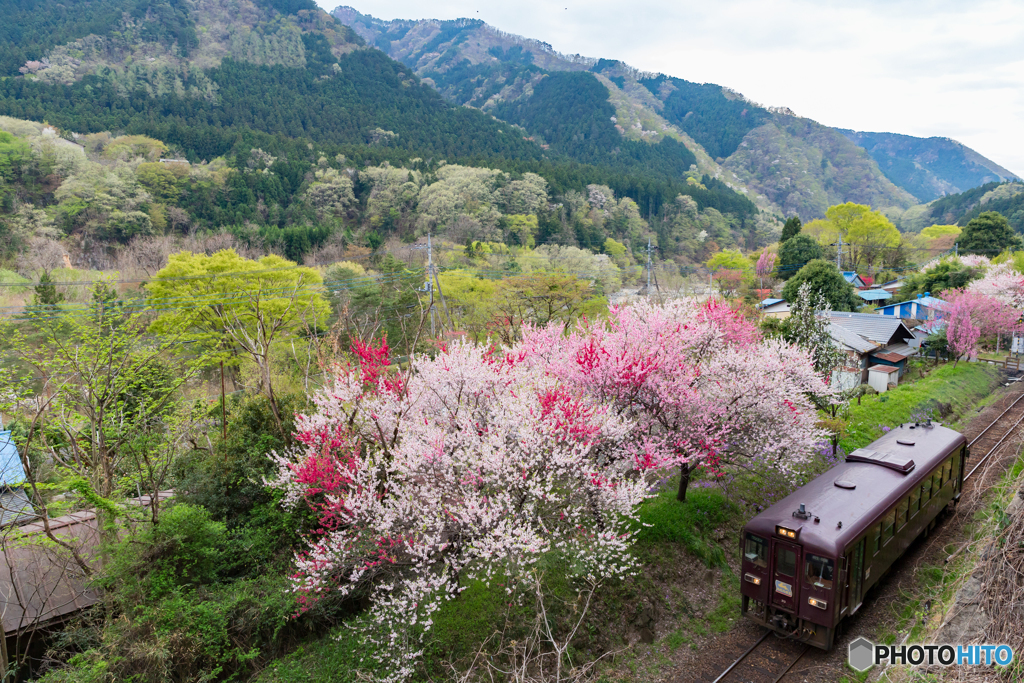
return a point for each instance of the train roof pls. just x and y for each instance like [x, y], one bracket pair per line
[871, 481]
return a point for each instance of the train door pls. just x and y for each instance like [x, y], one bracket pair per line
[854, 577]
[785, 564]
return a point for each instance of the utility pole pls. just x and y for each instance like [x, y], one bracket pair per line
[648, 267]
[430, 286]
[839, 255]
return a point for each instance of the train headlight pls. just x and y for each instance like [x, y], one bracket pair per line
[815, 602]
[786, 533]
[756, 580]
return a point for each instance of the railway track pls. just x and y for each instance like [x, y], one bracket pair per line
[769, 659]
[991, 441]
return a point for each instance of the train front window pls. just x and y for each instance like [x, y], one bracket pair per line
[785, 561]
[819, 571]
[756, 550]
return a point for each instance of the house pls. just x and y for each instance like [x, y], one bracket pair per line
[874, 294]
[924, 307]
[774, 308]
[870, 340]
[854, 279]
[892, 286]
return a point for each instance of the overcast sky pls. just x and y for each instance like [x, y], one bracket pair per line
[943, 68]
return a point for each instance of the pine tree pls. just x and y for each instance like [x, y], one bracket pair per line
[791, 228]
[47, 297]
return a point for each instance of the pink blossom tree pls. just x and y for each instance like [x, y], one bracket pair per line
[469, 466]
[765, 265]
[1003, 283]
[699, 386]
[970, 315]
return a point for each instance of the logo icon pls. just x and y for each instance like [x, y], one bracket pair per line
[862, 654]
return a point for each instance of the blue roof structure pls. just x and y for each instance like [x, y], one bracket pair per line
[11, 471]
[926, 301]
[851, 277]
[874, 294]
[770, 302]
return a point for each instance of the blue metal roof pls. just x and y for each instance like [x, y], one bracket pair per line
[770, 302]
[874, 295]
[927, 301]
[11, 471]
[851, 275]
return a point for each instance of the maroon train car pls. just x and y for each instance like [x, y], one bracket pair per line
[809, 559]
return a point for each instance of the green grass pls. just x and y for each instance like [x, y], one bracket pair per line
[962, 387]
[691, 524]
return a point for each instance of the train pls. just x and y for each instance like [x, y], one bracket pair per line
[809, 559]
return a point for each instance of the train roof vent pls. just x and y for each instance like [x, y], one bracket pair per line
[845, 484]
[900, 463]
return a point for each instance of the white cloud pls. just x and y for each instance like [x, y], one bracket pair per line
[943, 68]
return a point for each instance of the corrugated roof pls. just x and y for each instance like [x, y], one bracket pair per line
[874, 294]
[11, 471]
[891, 357]
[850, 339]
[877, 328]
[888, 369]
[905, 350]
[15, 507]
[770, 302]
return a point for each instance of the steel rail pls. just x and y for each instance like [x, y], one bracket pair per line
[742, 657]
[788, 668]
[993, 449]
[993, 423]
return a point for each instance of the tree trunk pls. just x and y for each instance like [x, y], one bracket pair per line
[684, 482]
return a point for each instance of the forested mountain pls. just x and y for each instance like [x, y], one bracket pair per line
[266, 98]
[781, 161]
[929, 168]
[958, 209]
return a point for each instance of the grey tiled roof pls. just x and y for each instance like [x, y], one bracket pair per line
[850, 339]
[877, 328]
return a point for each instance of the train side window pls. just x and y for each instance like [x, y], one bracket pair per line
[926, 491]
[876, 538]
[947, 470]
[936, 482]
[901, 513]
[915, 501]
[888, 524]
[756, 550]
[956, 470]
[819, 571]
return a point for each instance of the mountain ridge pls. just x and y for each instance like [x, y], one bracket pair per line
[474, 64]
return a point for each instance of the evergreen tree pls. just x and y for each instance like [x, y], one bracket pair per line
[989, 233]
[791, 228]
[825, 280]
[795, 253]
[47, 297]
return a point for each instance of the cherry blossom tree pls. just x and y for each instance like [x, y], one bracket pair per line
[1003, 283]
[469, 466]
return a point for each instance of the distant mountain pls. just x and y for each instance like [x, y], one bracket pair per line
[783, 162]
[929, 168]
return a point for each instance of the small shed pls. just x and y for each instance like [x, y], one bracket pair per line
[881, 376]
[874, 294]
